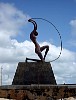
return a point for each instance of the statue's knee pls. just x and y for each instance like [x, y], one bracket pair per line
[37, 52]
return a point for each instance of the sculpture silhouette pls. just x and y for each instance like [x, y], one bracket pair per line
[38, 49]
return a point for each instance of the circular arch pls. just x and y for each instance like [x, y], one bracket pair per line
[58, 34]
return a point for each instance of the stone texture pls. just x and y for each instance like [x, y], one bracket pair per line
[38, 91]
[34, 73]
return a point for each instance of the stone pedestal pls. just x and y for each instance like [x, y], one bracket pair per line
[34, 73]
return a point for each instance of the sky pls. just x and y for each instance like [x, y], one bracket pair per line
[15, 43]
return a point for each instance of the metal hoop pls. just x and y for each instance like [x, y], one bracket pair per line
[58, 34]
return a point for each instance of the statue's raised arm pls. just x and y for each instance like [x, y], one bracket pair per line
[34, 23]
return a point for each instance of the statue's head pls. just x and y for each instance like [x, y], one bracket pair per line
[36, 33]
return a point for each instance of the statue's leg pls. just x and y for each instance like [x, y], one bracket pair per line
[38, 52]
[32, 59]
[47, 49]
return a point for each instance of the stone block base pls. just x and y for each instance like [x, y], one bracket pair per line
[34, 73]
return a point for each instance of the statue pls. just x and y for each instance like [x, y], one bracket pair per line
[38, 49]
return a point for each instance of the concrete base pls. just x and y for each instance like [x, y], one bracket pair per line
[34, 73]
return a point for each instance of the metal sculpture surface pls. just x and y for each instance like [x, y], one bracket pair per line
[38, 49]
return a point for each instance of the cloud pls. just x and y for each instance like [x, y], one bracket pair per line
[72, 42]
[63, 68]
[12, 51]
[11, 22]
[11, 19]
[73, 26]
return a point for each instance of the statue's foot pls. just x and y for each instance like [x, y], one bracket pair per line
[26, 59]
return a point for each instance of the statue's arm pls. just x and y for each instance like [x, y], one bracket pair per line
[34, 23]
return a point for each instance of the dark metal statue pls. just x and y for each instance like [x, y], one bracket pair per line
[38, 49]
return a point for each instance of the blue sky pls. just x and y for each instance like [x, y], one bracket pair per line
[17, 45]
[59, 12]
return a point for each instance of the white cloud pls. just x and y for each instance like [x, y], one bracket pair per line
[73, 26]
[11, 19]
[63, 68]
[72, 41]
[12, 52]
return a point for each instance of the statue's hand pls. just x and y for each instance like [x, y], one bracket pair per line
[29, 20]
